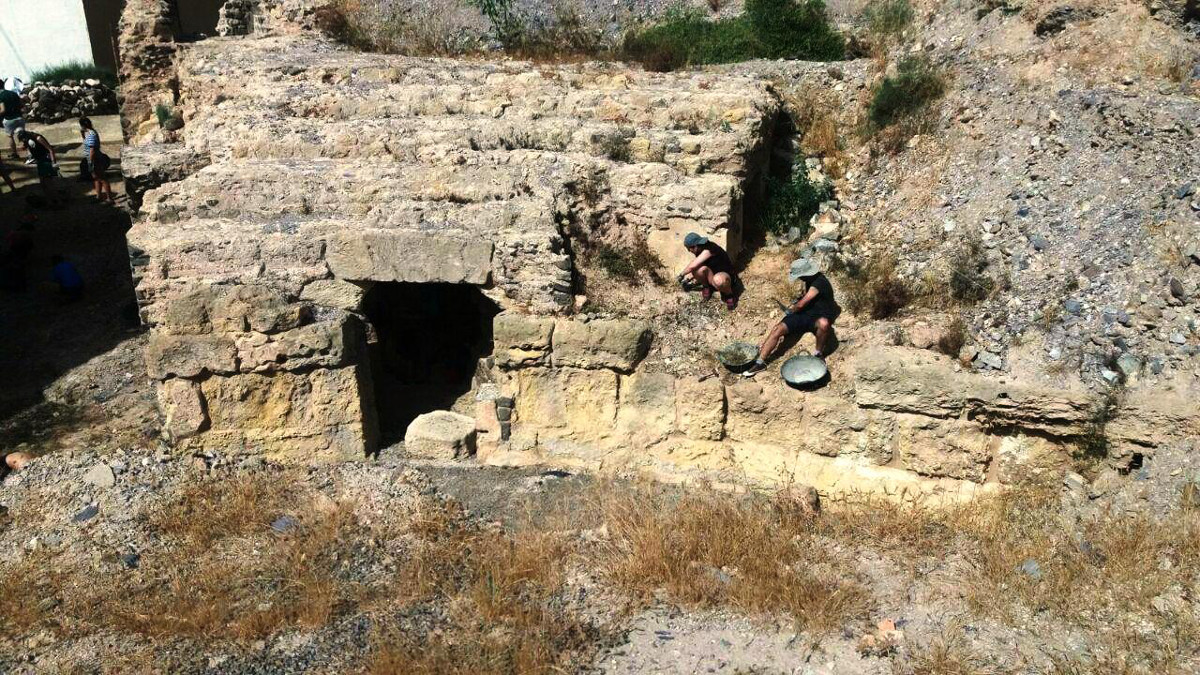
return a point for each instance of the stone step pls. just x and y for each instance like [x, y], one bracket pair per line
[272, 63]
[510, 190]
[254, 133]
[377, 193]
[736, 112]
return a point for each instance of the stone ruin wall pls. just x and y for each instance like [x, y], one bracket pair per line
[305, 174]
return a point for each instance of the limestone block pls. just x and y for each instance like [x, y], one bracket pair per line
[759, 415]
[146, 167]
[646, 414]
[313, 416]
[335, 293]
[944, 448]
[183, 408]
[615, 343]
[922, 383]
[521, 340]
[326, 344]
[253, 307]
[1021, 458]
[421, 257]
[189, 355]
[700, 408]
[834, 427]
[440, 434]
[189, 313]
[566, 403]
[487, 427]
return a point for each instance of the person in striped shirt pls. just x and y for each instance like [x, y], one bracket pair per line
[97, 161]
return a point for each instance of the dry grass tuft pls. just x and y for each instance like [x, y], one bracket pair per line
[25, 589]
[948, 654]
[874, 288]
[224, 573]
[202, 513]
[707, 549]
[503, 613]
[1118, 570]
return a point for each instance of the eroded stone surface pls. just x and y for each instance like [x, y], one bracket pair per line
[440, 435]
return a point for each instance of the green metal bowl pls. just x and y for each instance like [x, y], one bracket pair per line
[800, 371]
[737, 356]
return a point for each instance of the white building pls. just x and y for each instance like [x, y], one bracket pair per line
[35, 34]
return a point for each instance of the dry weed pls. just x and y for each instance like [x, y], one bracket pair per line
[201, 513]
[244, 582]
[708, 549]
[948, 654]
[27, 588]
[501, 593]
[1108, 569]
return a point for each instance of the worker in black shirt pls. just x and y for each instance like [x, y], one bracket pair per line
[815, 312]
[712, 268]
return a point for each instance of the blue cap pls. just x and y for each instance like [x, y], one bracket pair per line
[693, 239]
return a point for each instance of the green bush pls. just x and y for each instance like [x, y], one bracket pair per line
[914, 87]
[887, 19]
[792, 202]
[74, 70]
[769, 29]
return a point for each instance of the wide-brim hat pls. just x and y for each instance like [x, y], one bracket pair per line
[693, 239]
[803, 267]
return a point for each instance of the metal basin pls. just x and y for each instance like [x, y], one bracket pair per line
[737, 356]
[802, 371]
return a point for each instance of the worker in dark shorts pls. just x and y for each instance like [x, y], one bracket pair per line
[11, 111]
[712, 268]
[814, 312]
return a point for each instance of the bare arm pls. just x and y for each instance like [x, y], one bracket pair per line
[46, 144]
[695, 264]
[805, 300]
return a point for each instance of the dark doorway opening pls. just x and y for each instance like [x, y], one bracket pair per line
[425, 349]
[198, 18]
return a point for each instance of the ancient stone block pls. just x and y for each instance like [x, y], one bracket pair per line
[392, 255]
[183, 408]
[335, 293]
[189, 355]
[617, 344]
[759, 416]
[700, 408]
[566, 403]
[328, 344]
[314, 416]
[922, 383]
[944, 448]
[440, 434]
[520, 339]
[146, 167]
[254, 308]
[1022, 458]
[646, 414]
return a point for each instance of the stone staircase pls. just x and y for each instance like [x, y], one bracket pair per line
[314, 172]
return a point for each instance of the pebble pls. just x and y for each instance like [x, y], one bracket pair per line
[101, 476]
[87, 514]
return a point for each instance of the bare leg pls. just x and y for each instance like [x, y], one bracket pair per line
[822, 335]
[108, 191]
[703, 275]
[772, 342]
[722, 282]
